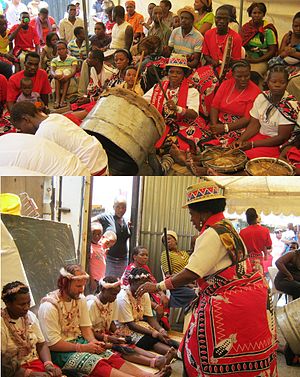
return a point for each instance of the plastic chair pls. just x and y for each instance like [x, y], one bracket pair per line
[275, 293]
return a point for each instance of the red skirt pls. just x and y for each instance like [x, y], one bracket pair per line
[262, 151]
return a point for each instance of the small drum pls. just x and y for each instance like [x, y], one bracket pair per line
[127, 126]
[268, 166]
[224, 160]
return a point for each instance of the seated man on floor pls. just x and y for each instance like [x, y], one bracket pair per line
[25, 38]
[66, 325]
[38, 76]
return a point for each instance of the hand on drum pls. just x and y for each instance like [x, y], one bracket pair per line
[243, 145]
[144, 288]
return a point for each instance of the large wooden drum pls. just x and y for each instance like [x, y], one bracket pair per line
[288, 318]
[128, 128]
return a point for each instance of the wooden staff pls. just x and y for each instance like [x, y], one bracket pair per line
[167, 251]
[159, 83]
[138, 70]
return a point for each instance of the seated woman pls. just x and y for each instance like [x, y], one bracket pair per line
[259, 40]
[136, 319]
[291, 151]
[206, 18]
[129, 81]
[289, 52]
[273, 118]
[103, 310]
[122, 59]
[180, 297]
[63, 70]
[230, 109]
[49, 51]
[159, 302]
[180, 111]
[21, 338]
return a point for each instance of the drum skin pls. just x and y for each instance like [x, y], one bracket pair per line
[288, 318]
[128, 128]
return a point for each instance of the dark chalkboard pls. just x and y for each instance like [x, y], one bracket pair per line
[44, 247]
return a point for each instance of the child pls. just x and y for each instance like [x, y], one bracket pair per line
[129, 78]
[27, 94]
[63, 69]
[99, 248]
[175, 22]
[77, 46]
[110, 23]
[136, 319]
[102, 311]
[49, 51]
[100, 41]
[159, 301]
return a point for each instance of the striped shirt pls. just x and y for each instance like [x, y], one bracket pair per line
[188, 44]
[64, 65]
[178, 259]
[78, 52]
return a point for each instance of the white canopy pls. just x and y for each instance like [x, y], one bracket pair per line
[277, 195]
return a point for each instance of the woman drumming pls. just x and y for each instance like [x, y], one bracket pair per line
[180, 110]
[273, 117]
[259, 40]
[230, 109]
[21, 338]
[232, 329]
[206, 18]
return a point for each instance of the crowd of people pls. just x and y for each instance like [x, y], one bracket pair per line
[125, 318]
[213, 85]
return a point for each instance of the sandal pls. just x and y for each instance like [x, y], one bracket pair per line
[56, 105]
[63, 104]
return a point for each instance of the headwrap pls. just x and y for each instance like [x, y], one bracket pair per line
[70, 276]
[171, 233]
[130, 2]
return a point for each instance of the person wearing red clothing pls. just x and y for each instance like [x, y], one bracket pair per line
[38, 76]
[25, 38]
[43, 24]
[230, 109]
[215, 40]
[257, 240]
[159, 301]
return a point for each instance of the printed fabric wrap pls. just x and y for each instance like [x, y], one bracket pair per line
[83, 362]
[232, 329]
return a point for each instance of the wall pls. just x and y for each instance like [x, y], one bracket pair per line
[162, 201]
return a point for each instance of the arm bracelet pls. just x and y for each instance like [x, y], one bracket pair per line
[161, 286]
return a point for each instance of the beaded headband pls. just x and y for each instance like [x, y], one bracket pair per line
[70, 276]
[13, 290]
[106, 285]
[141, 276]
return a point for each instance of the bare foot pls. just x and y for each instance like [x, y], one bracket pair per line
[170, 355]
[177, 155]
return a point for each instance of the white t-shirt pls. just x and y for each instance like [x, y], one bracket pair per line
[9, 347]
[192, 101]
[209, 255]
[124, 308]
[13, 13]
[68, 135]
[49, 319]
[40, 155]
[101, 314]
[268, 127]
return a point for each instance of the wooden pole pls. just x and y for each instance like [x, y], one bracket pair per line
[85, 21]
[167, 251]
[241, 15]
[138, 70]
